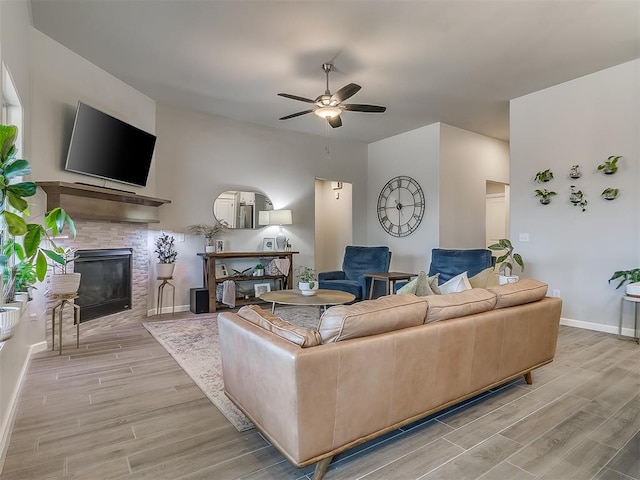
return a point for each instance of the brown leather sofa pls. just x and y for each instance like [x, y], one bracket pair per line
[374, 366]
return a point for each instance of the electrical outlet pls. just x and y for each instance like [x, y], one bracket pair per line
[523, 237]
[556, 293]
[179, 237]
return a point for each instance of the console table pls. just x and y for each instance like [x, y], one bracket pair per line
[210, 280]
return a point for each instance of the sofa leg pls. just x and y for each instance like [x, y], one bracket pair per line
[528, 378]
[321, 468]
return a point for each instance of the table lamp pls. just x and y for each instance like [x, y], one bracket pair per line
[280, 218]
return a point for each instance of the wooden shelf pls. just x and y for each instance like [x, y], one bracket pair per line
[96, 203]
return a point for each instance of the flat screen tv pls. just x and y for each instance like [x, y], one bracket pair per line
[105, 147]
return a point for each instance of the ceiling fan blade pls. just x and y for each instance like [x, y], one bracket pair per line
[355, 107]
[297, 114]
[295, 97]
[335, 122]
[345, 92]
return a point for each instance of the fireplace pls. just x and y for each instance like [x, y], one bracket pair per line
[105, 285]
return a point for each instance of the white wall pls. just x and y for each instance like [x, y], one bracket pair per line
[467, 161]
[14, 354]
[579, 122]
[333, 225]
[415, 154]
[199, 156]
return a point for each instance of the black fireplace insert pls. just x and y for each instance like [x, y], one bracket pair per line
[105, 284]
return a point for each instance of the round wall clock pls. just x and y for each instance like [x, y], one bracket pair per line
[401, 206]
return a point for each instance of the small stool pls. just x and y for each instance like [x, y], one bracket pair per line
[65, 299]
[635, 301]
[165, 282]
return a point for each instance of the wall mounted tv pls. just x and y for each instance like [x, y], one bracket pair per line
[105, 147]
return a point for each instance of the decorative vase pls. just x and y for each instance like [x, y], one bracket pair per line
[65, 283]
[165, 270]
[633, 289]
[308, 288]
[9, 318]
[210, 249]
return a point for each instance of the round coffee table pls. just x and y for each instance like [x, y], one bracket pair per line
[321, 299]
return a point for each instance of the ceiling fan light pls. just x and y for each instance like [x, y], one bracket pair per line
[327, 112]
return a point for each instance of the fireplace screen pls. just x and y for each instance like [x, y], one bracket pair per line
[105, 285]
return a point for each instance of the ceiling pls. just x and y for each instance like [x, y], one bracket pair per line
[458, 62]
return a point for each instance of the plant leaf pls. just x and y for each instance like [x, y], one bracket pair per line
[24, 189]
[18, 168]
[32, 239]
[15, 224]
[41, 266]
[16, 201]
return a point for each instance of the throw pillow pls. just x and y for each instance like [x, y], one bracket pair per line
[459, 283]
[486, 278]
[421, 285]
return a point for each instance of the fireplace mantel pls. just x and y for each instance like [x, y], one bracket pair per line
[96, 203]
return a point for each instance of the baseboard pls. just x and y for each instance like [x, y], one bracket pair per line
[598, 327]
[7, 427]
[179, 308]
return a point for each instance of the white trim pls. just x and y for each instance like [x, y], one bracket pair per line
[598, 327]
[7, 426]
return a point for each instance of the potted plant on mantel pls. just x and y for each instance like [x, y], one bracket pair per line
[13, 204]
[507, 261]
[307, 284]
[167, 253]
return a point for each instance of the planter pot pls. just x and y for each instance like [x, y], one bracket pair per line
[210, 249]
[65, 283]
[503, 279]
[609, 171]
[22, 298]
[545, 201]
[633, 289]
[575, 199]
[9, 318]
[165, 270]
[306, 289]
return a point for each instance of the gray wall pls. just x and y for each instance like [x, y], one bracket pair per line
[579, 122]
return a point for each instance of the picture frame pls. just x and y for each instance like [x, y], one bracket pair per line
[219, 246]
[221, 271]
[268, 244]
[260, 288]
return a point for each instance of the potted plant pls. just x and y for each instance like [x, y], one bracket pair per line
[544, 176]
[610, 193]
[610, 166]
[24, 280]
[575, 172]
[258, 270]
[167, 253]
[576, 197]
[307, 283]
[64, 281]
[545, 196]
[210, 233]
[507, 261]
[632, 276]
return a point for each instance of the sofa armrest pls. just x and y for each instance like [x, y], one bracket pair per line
[331, 275]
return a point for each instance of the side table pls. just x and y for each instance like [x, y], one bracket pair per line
[64, 299]
[389, 278]
[164, 283]
[635, 301]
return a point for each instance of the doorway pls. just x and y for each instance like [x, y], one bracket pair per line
[497, 212]
[333, 223]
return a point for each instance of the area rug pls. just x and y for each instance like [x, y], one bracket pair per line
[193, 343]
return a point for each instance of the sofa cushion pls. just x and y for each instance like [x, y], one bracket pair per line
[372, 317]
[526, 290]
[421, 285]
[461, 304]
[486, 278]
[301, 336]
[459, 283]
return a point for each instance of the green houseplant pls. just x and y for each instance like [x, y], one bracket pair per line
[610, 166]
[632, 276]
[610, 193]
[507, 260]
[544, 176]
[545, 196]
[307, 283]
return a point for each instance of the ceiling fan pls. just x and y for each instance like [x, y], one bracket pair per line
[330, 106]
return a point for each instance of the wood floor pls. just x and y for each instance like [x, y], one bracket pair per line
[120, 407]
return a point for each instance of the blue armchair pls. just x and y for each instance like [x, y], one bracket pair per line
[451, 262]
[356, 262]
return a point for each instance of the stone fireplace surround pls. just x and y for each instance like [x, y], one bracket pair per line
[104, 235]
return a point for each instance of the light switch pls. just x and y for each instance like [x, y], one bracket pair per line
[524, 237]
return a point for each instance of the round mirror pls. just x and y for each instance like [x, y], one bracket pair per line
[239, 209]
